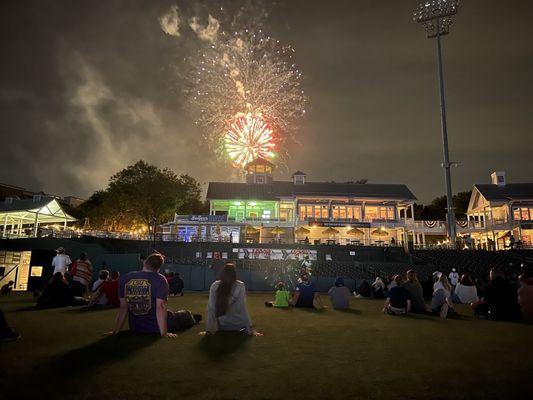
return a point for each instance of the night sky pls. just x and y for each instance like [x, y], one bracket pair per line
[87, 87]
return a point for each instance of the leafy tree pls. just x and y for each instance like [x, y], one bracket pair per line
[436, 210]
[142, 194]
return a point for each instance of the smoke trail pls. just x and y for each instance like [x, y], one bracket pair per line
[170, 22]
[206, 33]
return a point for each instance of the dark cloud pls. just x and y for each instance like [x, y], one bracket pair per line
[87, 87]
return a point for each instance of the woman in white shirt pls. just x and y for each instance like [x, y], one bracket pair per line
[226, 309]
[465, 292]
[441, 303]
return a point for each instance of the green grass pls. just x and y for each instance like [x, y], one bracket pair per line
[303, 354]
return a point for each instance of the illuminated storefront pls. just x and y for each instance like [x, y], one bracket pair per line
[313, 212]
[500, 212]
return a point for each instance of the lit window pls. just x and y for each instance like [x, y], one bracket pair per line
[525, 214]
[371, 213]
[516, 214]
[325, 213]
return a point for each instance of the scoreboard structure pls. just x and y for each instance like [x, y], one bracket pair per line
[15, 266]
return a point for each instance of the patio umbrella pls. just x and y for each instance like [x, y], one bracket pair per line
[355, 232]
[302, 231]
[330, 231]
[277, 230]
[250, 230]
[380, 232]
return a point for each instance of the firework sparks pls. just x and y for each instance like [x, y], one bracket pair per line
[248, 138]
[246, 72]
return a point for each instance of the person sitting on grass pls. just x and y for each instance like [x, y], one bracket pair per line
[414, 287]
[340, 295]
[82, 273]
[441, 304]
[109, 290]
[226, 308]
[378, 288]
[56, 294]
[103, 275]
[525, 296]
[7, 288]
[465, 292]
[176, 285]
[143, 299]
[398, 299]
[305, 295]
[500, 299]
[6, 333]
[281, 299]
[364, 290]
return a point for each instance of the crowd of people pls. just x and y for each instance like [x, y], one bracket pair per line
[503, 297]
[141, 296]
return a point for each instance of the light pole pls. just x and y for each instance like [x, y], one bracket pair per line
[436, 16]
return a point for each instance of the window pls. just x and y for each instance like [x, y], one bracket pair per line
[302, 213]
[390, 212]
[325, 212]
[383, 213]
[342, 212]
[371, 213]
[317, 212]
[516, 214]
[259, 179]
[253, 215]
[525, 214]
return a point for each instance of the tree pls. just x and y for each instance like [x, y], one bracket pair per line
[142, 194]
[437, 209]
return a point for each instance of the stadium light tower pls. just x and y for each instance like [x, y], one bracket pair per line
[436, 16]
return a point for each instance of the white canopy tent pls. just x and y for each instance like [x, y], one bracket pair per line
[17, 216]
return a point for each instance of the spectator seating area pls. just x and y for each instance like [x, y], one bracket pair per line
[477, 263]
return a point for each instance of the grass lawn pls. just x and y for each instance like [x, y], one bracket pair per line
[304, 354]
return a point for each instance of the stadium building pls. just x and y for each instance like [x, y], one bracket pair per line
[499, 211]
[263, 210]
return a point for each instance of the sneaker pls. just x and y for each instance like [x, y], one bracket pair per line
[9, 335]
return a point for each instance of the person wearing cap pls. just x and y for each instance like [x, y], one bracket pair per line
[454, 278]
[398, 299]
[340, 295]
[61, 261]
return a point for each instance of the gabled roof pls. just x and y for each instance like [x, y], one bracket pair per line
[277, 189]
[48, 208]
[511, 191]
[299, 173]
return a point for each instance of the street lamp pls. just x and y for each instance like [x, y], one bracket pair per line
[436, 16]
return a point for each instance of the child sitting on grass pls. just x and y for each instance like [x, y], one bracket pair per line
[282, 297]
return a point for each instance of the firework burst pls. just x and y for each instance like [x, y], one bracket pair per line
[248, 138]
[245, 72]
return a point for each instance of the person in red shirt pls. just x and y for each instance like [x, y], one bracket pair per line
[110, 289]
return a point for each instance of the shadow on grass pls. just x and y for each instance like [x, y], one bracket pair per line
[349, 311]
[427, 317]
[86, 309]
[107, 350]
[223, 344]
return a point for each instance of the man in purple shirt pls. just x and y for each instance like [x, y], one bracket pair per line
[143, 299]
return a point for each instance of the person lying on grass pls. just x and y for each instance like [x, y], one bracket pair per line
[281, 299]
[226, 308]
[398, 299]
[143, 299]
